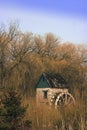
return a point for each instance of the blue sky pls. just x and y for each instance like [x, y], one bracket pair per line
[64, 18]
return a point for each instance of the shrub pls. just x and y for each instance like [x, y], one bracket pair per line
[12, 112]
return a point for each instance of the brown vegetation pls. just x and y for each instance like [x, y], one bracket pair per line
[25, 56]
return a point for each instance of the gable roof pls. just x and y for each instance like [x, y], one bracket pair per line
[51, 80]
[55, 80]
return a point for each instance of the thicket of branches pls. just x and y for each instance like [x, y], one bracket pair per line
[25, 56]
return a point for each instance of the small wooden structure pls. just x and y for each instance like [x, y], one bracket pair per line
[52, 89]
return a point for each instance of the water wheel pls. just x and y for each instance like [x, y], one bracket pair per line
[62, 99]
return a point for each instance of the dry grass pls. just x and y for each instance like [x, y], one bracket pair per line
[45, 117]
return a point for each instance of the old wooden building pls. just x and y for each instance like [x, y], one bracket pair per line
[52, 89]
